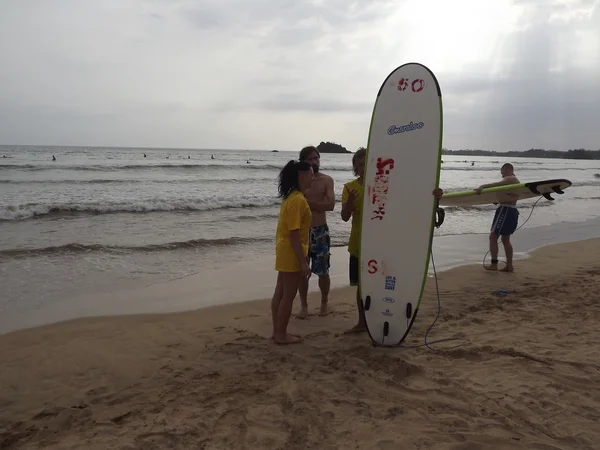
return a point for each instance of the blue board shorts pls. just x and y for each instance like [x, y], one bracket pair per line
[505, 220]
[320, 244]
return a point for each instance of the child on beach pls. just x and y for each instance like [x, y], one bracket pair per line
[352, 200]
[291, 243]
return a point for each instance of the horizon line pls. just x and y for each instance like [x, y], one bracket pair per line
[273, 150]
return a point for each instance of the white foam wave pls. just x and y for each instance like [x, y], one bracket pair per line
[30, 210]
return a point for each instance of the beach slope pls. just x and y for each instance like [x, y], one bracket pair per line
[525, 374]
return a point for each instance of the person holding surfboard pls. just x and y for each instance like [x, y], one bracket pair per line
[352, 201]
[505, 220]
[291, 245]
[352, 197]
[321, 198]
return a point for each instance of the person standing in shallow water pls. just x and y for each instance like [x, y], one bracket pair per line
[352, 202]
[321, 198]
[291, 245]
[505, 220]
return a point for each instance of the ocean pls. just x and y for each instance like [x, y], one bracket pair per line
[99, 219]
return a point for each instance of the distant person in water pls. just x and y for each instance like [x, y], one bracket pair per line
[352, 202]
[321, 198]
[505, 220]
[53, 158]
[291, 245]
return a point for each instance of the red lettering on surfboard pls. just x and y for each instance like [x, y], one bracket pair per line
[417, 85]
[381, 164]
[372, 266]
[380, 187]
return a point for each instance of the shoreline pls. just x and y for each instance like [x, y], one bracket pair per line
[254, 279]
[212, 377]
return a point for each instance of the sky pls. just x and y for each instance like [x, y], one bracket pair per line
[282, 74]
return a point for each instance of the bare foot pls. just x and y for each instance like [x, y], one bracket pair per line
[507, 269]
[303, 314]
[491, 267]
[324, 310]
[359, 328]
[294, 335]
[288, 339]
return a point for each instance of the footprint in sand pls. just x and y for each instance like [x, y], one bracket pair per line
[248, 316]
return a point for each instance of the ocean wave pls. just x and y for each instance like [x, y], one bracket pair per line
[254, 206]
[194, 167]
[140, 167]
[138, 181]
[77, 248]
[34, 210]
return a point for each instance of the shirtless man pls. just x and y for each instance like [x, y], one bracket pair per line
[505, 220]
[321, 198]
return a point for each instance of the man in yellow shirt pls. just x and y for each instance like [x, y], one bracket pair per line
[352, 197]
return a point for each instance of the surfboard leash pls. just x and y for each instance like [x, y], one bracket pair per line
[440, 215]
[428, 344]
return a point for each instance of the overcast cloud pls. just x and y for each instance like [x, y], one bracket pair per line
[264, 74]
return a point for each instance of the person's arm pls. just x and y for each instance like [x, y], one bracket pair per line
[511, 179]
[347, 205]
[328, 204]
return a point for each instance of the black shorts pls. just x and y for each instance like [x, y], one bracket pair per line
[505, 221]
[353, 270]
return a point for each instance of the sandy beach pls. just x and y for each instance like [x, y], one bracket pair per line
[525, 373]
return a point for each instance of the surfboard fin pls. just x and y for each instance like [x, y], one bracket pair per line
[558, 190]
[440, 216]
[547, 196]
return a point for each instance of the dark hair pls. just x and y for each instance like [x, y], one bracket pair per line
[307, 151]
[288, 177]
[508, 166]
[360, 153]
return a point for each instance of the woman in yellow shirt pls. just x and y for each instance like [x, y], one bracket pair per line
[291, 245]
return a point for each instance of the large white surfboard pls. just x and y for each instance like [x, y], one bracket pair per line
[506, 193]
[402, 169]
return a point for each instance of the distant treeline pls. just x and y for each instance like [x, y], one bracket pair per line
[579, 153]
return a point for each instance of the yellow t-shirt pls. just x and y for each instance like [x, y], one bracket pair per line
[294, 214]
[354, 241]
